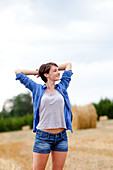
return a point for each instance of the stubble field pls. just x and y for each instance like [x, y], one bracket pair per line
[90, 149]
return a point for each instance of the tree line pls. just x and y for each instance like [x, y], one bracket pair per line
[18, 111]
[104, 107]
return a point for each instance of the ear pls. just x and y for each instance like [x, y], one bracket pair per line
[46, 75]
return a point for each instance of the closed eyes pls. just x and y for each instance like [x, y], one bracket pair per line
[55, 70]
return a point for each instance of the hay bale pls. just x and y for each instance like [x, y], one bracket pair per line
[26, 127]
[101, 118]
[84, 117]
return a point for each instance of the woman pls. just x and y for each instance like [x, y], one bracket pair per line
[52, 113]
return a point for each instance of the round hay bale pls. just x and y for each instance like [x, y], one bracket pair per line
[27, 127]
[84, 117]
[101, 118]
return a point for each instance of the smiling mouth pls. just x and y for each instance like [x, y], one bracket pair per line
[58, 76]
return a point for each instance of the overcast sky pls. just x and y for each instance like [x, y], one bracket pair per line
[40, 31]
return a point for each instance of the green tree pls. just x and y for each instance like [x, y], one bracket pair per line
[104, 107]
[15, 123]
[19, 105]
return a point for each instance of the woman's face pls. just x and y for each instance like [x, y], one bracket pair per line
[54, 74]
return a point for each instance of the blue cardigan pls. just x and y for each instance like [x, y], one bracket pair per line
[38, 90]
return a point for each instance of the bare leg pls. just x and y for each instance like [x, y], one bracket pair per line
[58, 160]
[40, 160]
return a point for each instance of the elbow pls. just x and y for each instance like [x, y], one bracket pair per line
[69, 66]
[17, 71]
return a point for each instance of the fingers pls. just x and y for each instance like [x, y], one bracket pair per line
[37, 75]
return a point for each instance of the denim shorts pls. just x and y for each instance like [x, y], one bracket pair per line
[46, 142]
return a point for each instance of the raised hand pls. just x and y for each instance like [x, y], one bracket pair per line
[37, 75]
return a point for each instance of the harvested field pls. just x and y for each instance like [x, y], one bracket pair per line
[90, 149]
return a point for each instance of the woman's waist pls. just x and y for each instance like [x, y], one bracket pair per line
[57, 130]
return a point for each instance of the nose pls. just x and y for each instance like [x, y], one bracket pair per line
[58, 73]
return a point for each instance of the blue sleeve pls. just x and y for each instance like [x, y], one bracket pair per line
[66, 78]
[30, 84]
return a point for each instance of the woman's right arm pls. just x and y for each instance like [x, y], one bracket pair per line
[21, 75]
[65, 66]
[26, 72]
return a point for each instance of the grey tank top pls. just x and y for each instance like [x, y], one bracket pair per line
[51, 111]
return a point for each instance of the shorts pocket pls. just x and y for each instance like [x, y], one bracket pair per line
[64, 136]
[41, 136]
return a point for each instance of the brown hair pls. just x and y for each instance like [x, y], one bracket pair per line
[45, 68]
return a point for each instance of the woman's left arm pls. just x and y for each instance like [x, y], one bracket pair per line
[65, 66]
[66, 76]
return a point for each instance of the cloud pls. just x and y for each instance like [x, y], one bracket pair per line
[36, 32]
[91, 82]
[104, 5]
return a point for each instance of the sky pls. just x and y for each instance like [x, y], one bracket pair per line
[40, 31]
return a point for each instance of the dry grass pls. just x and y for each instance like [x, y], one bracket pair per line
[90, 149]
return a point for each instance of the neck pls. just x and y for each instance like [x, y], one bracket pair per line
[50, 85]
